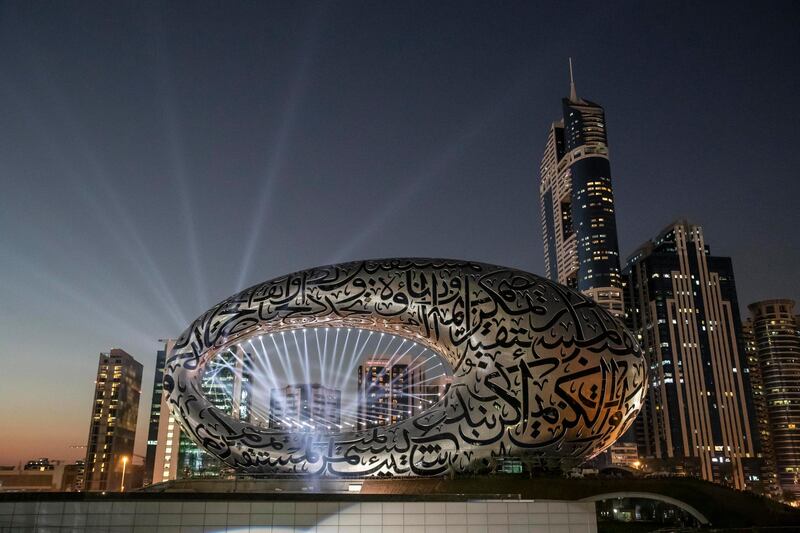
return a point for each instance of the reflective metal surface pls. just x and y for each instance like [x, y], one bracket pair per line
[539, 370]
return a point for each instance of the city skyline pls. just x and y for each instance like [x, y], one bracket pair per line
[135, 201]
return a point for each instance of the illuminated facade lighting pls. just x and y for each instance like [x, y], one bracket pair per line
[112, 428]
[774, 334]
[226, 384]
[577, 204]
[307, 406]
[392, 389]
[682, 305]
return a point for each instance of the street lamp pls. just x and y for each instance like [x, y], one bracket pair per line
[122, 481]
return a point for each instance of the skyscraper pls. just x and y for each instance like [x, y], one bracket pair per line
[761, 420]
[165, 464]
[383, 393]
[305, 407]
[577, 204]
[391, 389]
[112, 429]
[226, 383]
[685, 312]
[776, 333]
[155, 415]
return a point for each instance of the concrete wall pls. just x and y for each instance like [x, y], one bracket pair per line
[194, 514]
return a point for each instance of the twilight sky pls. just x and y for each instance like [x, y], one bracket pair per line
[155, 159]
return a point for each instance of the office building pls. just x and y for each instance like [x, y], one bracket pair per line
[770, 486]
[684, 310]
[41, 475]
[624, 454]
[305, 407]
[155, 415]
[776, 333]
[165, 464]
[112, 430]
[390, 390]
[72, 481]
[227, 383]
[577, 204]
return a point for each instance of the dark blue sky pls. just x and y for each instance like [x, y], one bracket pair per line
[154, 159]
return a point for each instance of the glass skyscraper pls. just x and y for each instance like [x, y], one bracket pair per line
[112, 430]
[305, 407]
[227, 383]
[577, 204]
[775, 332]
[392, 389]
[682, 306]
[155, 414]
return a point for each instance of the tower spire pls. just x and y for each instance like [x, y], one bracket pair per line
[573, 94]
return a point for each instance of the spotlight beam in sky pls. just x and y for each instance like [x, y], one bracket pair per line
[91, 306]
[107, 218]
[279, 146]
[176, 151]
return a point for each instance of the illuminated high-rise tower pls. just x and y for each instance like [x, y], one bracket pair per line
[168, 431]
[226, 383]
[155, 416]
[112, 431]
[391, 389]
[384, 395]
[776, 336]
[683, 308]
[769, 478]
[577, 204]
[308, 407]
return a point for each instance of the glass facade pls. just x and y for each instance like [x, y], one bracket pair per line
[392, 390]
[113, 424]
[592, 205]
[776, 335]
[305, 407]
[227, 383]
[683, 308]
[155, 414]
[577, 205]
